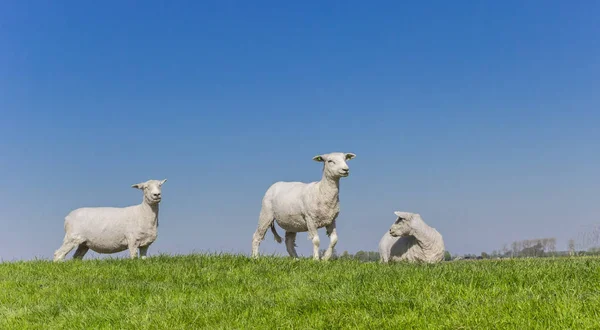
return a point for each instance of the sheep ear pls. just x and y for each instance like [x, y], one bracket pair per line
[139, 185]
[162, 182]
[318, 158]
[350, 155]
[403, 215]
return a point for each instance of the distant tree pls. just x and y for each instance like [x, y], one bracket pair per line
[367, 256]
[595, 250]
[536, 250]
[552, 245]
[447, 256]
[361, 255]
[520, 247]
[538, 247]
[485, 255]
[571, 247]
[543, 242]
[346, 255]
[546, 244]
[588, 238]
[373, 256]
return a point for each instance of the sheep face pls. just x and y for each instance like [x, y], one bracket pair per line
[152, 190]
[403, 225]
[335, 163]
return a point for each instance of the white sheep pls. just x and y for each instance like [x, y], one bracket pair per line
[114, 229]
[411, 239]
[300, 207]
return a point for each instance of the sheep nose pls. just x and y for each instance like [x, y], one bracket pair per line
[346, 170]
[156, 194]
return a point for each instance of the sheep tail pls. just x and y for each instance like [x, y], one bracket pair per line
[277, 237]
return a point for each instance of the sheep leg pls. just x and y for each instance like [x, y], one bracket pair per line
[333, 238]
[133, 252]
[133, 248]
[265, 220]
[312, 233]
[290, 244]
[69, 244]
[82, 249]
[143, 251]
[383, 259]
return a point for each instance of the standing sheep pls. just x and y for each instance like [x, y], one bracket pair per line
[300, 207]
[113, 229]
[411, 239]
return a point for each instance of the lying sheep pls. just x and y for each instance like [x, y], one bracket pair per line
[112, 229]
[300, 207]
[411, 239]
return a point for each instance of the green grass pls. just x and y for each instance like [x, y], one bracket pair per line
[235, 292]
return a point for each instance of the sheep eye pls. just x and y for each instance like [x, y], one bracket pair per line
[330, 161]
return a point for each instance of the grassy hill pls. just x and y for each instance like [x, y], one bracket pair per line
[235, 292]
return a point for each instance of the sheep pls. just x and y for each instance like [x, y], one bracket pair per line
[304, 207]
[411, 239]
[112, 229]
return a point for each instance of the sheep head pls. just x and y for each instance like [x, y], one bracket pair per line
[404, 224]
[335, 165]
[152, 190]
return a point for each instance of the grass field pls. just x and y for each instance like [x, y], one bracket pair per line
[235, 292]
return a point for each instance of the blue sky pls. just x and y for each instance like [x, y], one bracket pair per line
[481, 116]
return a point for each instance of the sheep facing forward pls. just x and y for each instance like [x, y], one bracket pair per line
[304, 207]
[411, 239]
[112, 229]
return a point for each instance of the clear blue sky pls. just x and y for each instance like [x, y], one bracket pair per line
[481, 116]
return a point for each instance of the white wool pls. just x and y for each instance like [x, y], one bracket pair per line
[304, 207]
[411, 239]
[113, 229]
